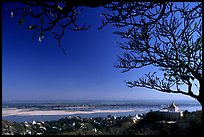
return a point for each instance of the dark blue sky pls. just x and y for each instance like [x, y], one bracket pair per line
[40, 71]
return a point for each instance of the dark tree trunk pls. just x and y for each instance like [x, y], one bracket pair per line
[200, 97]
[201, 101]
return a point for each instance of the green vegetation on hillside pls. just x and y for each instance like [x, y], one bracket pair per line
[150, 124]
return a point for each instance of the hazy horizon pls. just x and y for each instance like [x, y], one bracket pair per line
[80, 100]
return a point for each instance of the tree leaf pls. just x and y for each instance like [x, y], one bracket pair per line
[12, 14]
[34, 35]
[42, 21]
[196, 86]
[41, 36]
[195, 24]
[32, 27]
[21, 21]
[165, 74]
[40, 39]
[59, 7]
[182, 50]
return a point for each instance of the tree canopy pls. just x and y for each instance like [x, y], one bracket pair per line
[171, 42]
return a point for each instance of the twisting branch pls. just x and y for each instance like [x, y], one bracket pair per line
[123, 14]
[171, 41]
[165, 85]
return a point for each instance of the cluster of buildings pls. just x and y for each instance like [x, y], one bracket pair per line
[170, 112]
[96, 125]
[34, 123]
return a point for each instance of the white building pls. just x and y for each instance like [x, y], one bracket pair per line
[136, 118]
[39, 133]
[171, 111]
[33, 122]
[73, 124]
[95, 130]
[173, 108]
[114, 117]
[44, 128]
[27, 124]
[54, 127]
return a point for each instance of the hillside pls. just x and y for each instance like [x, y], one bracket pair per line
[150, 124]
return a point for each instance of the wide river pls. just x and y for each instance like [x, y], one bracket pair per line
[47, 111]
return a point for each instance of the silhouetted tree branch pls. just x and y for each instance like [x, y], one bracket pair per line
[123, 14]
[55, 17]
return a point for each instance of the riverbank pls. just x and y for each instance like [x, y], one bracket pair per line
[31, 112]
